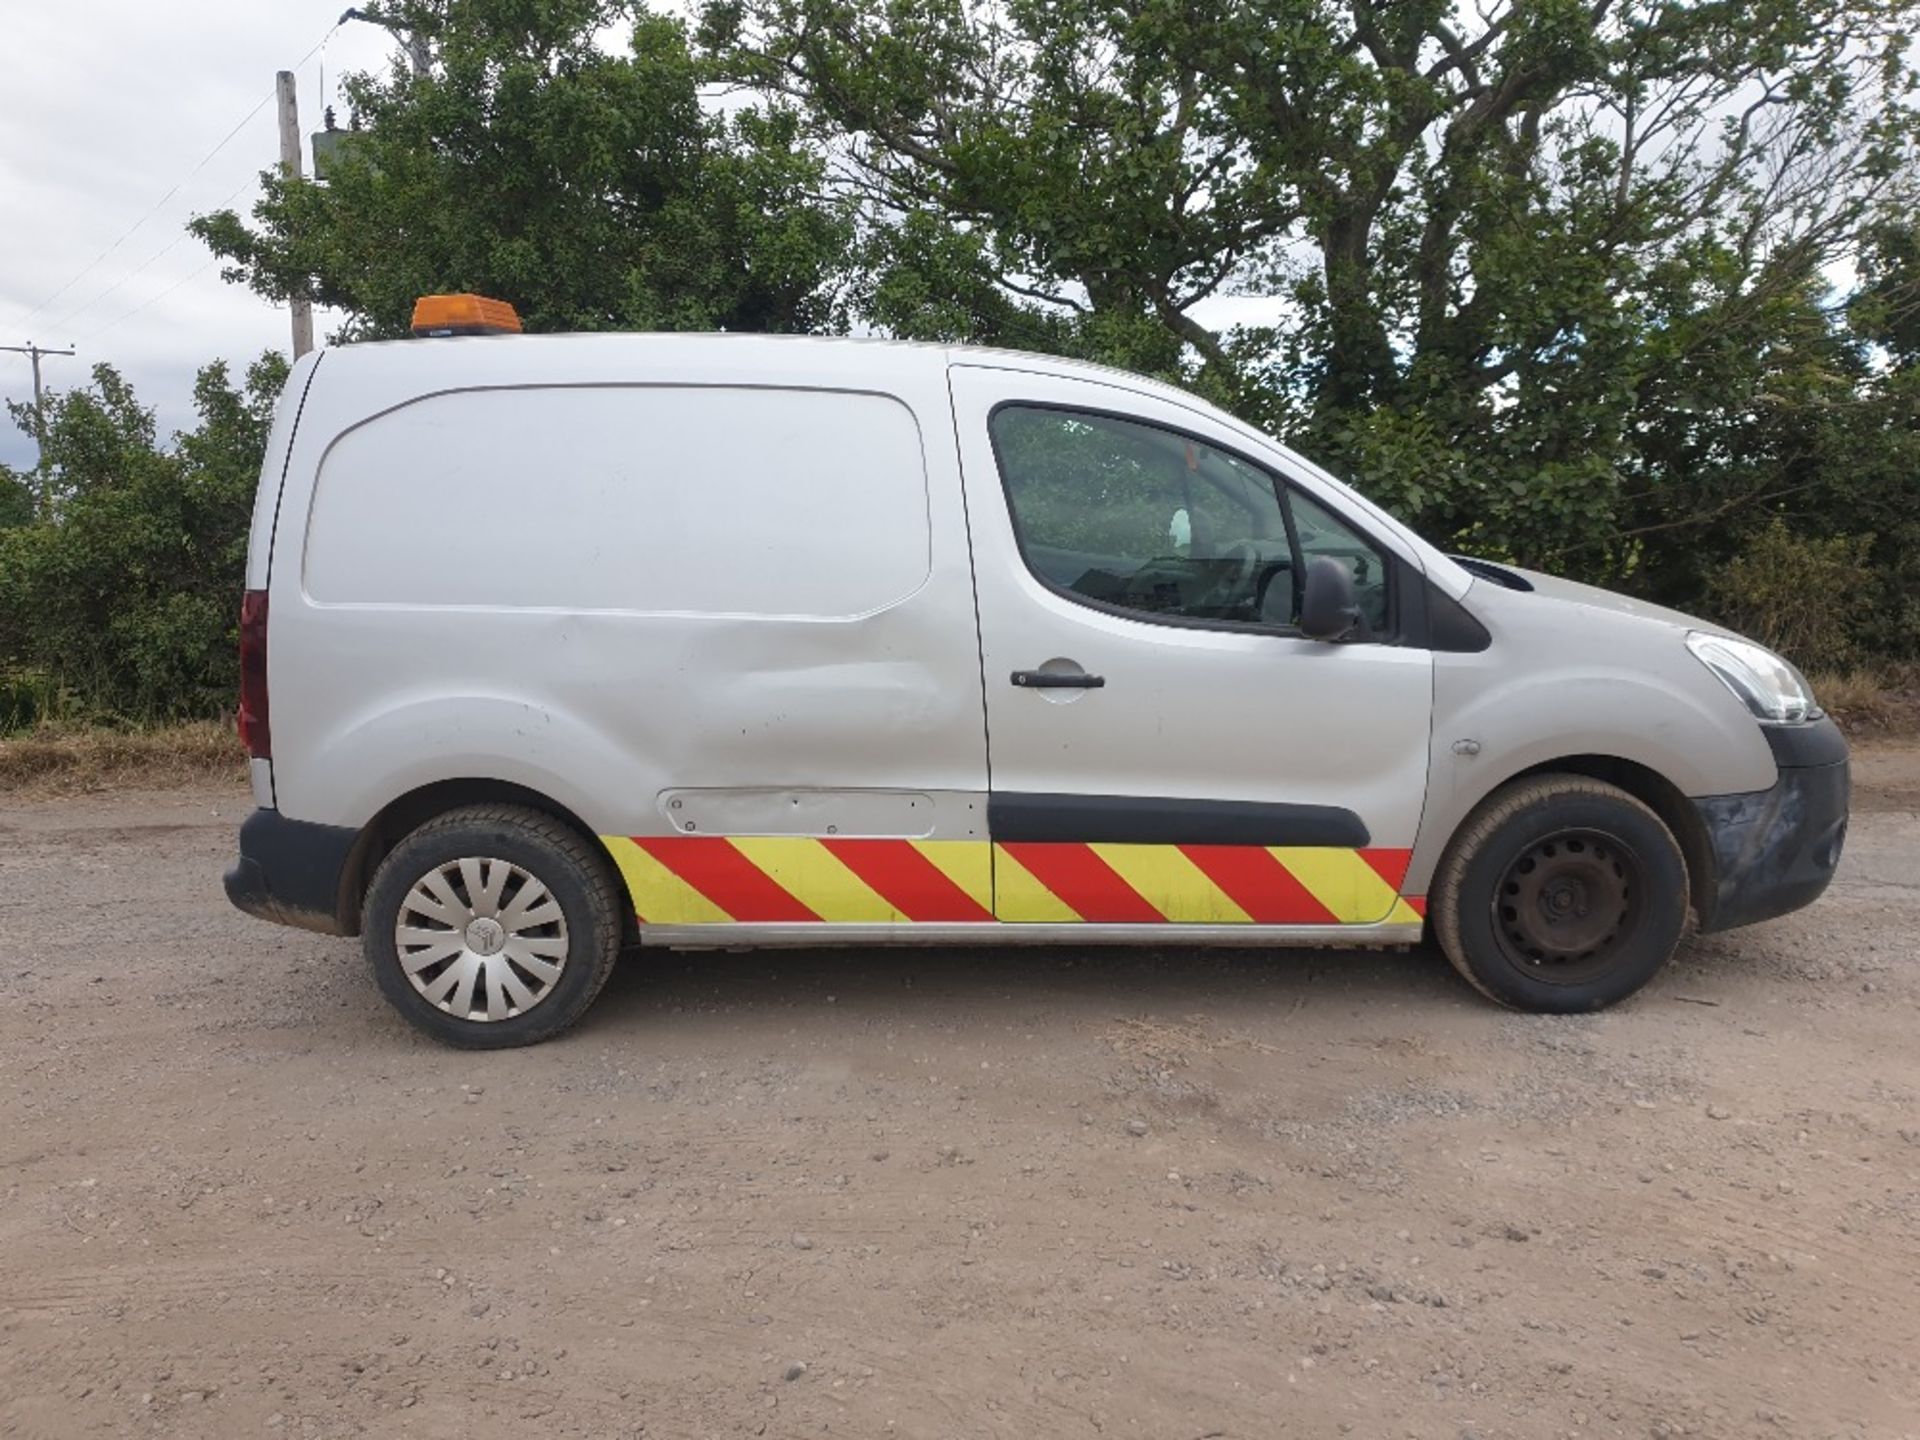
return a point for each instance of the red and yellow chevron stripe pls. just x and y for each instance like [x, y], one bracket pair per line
[716, 880]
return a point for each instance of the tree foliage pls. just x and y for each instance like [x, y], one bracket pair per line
[1628, 289]
[16, 498]
[1532, 253]
[593, 190]
[121, 593]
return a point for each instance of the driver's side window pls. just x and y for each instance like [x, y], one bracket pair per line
[1148, 519]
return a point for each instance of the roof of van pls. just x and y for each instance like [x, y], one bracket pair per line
[527, 356]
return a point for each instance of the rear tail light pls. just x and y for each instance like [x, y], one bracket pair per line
[255, 731]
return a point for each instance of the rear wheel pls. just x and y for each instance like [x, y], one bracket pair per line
[492, 926]
[1560, 894]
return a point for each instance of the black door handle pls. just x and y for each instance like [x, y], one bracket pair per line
[1055, 680]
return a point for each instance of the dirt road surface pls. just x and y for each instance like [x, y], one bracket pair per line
[965, 1193]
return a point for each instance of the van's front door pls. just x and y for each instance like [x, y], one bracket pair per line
[1163, 745]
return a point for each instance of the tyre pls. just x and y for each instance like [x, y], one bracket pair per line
[1560, 894]
[492, 926]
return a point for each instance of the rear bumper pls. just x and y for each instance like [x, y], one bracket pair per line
[293, 872]
[1775, 850]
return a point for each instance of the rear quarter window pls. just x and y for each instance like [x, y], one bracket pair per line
[667, 499]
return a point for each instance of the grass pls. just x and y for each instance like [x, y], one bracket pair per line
[1876, 702]
[60, 759]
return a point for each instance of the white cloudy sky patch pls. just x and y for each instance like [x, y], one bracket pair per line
[107, 105]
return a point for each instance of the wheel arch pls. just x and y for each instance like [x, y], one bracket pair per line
[1645, 784]
[407, 812]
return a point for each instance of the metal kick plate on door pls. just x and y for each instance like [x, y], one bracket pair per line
[902, 814]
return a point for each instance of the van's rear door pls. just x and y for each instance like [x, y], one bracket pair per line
[1163, 745]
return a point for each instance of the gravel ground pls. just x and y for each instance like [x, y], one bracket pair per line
[961, 1193]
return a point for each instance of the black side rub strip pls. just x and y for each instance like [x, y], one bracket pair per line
[1131, 820]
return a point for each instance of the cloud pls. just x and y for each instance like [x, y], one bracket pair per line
[110, 104]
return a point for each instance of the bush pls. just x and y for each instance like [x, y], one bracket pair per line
[16, 499]
[1811, 599]
[122, 593]
[25, 700]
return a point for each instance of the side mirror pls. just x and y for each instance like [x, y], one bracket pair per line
[1328, 610]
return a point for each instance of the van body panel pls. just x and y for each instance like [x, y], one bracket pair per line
[895, 814]
[685, 517]
[604, 708]
[1566, 676]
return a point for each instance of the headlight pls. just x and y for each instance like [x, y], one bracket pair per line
[1770, 687]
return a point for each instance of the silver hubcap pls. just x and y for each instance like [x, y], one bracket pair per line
[482, 939]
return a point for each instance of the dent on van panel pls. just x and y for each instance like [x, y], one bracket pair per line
[868, 704]
[678, 500]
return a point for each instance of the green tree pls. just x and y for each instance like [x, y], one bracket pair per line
[1886, 310]
[16, 498]
[592, 190]
[123, 591]
[1551, 278]
[1510, 237]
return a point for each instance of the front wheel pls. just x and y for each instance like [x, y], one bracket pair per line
[1560, 894]
[492, 926]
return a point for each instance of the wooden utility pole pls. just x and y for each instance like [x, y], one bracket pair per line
[290, 167]
[34, 352]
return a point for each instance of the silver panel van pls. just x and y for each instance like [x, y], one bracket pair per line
[557, 644]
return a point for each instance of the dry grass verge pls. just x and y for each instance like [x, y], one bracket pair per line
[1872, 702]
[72, 760]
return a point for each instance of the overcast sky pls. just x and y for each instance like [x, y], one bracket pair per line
[104, 106]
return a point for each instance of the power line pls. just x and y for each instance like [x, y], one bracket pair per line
[153, 210]
[173, 190]
[193, 274]
[157, 255]
[66, 321]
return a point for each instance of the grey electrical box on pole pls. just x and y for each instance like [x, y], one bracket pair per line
[290, 166]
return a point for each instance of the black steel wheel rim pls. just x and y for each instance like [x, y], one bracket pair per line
[1567, 904]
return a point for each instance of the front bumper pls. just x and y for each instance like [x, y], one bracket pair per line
[294, 872]
[1775, 850]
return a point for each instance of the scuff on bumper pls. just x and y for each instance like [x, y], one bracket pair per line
[1775, 850]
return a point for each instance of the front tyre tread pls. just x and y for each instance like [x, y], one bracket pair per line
[1463, 893]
